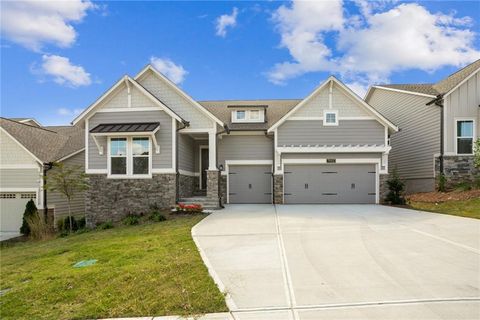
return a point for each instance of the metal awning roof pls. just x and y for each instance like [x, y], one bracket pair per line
[126, 127]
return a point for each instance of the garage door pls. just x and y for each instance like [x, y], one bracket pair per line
[333, 183]
[12, 207]
[250, 184]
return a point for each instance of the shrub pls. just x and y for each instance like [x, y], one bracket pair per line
[39, 229]
[81, 223]
[131, 219]
[30, 210]
[66, 224]
[442, 183]
[105, 225]
[157, 216]
[463, 186]
[395, 187]
[189, 208]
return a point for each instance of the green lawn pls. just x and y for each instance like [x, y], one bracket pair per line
[467, 208]
[153, 269]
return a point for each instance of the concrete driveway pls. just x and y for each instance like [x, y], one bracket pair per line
[342, 262]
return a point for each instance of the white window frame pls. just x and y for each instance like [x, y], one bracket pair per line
[248, 116]
[325, 113]
[129, 174]
[457, 120]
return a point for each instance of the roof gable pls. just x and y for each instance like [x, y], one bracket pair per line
[454, 80]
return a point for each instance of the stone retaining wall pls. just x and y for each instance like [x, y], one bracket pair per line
[457, 169]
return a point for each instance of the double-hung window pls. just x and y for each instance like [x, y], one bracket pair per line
[129, 157]
[464, 136]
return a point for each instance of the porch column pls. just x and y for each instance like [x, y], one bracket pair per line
[213, 174]
[212, 150]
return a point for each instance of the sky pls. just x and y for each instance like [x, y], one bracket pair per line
[58, 57]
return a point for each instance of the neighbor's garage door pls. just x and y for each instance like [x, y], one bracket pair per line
[250, 184]
[12, 207]
[333, 183]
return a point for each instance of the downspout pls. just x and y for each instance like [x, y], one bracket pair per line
[46, 166]
[227, 131]
[438, 101]
[185, 124]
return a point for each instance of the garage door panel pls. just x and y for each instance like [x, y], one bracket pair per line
[250, 184]
[12, 207]
[336, 183]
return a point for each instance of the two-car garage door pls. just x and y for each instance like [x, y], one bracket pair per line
[329, 183]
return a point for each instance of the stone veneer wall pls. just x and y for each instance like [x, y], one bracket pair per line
[213, 184]
[112, 199]
[186, 186]
[383, 187]
[278, 189]
[457, 169]
[223, 188]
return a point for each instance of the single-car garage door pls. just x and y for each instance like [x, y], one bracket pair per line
[12, 207]
[250, 184]
[329, 183]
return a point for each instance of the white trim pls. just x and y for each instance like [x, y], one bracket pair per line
[332, 149]
[22, 146]
[461, 83]
[200, 148]
[96, 171]
[245, 133]
[248, 118]
[30, 119]
[174, 144]
[401, 91]
[179, 91]
[129, 160]
[229, 163]
[70, 155]
[375, 161]
[212, 153]
[163, 170]
[188, 173]
[201, 130]
[18, 166]
[474, 125]
[86, 144]
[321, 118]
[16, 190]
[327, 124]
[99, 147]
[134, 109]
[369, 108]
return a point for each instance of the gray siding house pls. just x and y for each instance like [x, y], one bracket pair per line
[149, 143]
[439, 124]
[26, 151]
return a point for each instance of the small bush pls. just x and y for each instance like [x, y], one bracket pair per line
[105, 225]
[30, 210]
[157, 216]
[81, 223]
[131, 219]
[463, 186]
[189, 208]
[442, 183]
[476, 182]
[396, 187]
[39, 229]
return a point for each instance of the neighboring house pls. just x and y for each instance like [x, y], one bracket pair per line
[149, 143]
[423, 111]
[26, 150]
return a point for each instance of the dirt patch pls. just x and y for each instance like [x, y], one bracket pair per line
[433, 197]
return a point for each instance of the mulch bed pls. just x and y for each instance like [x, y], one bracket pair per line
[434, 197]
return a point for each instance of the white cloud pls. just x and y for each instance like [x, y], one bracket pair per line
[63, 72]
[68, 112]
[33, 23]
[226, 21]
[175, 72]
[369, 47]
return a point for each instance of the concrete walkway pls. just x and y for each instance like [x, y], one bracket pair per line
[342, 262]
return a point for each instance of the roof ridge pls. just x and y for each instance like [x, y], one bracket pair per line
[263, 99]
[28, 125]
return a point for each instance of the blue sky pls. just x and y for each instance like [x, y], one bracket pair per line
[52, 68]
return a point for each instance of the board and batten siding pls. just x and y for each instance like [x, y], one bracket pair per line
[414, 146]
[162, 160]
[243, 147]
[341, 101]
[462, 103]
[57, 200]
[186, 149]
[313, 132]
[179, 104]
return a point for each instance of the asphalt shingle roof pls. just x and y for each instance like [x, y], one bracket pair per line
[48, 144]
[275, 109]
[425, 88]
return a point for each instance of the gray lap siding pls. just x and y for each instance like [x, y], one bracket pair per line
[242, 147]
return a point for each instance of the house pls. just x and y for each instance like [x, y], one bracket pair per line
[439, 123]
[26, 151]
[147, 143]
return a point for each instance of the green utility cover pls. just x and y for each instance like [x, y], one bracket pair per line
[85, 263]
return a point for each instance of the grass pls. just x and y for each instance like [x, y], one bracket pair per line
[146, 270]
[465, 208]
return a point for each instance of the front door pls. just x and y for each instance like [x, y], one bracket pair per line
[204, 168]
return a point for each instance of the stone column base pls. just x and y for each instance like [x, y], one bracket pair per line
[383, 187]
[278, 188]
[213, 186]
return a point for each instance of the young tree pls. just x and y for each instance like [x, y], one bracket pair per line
[30, 211]
[68, 181]
[477, 153]
[396, 187]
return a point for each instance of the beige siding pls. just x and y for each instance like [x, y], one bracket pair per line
[462, 103]
[313, 132]
[119, 99]
[11, 179]
[241, 147]
[186, 148]
[414, 146]
[164, 136]
[175, 101]
[341, 101]
[58, 201]
[11, 153]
